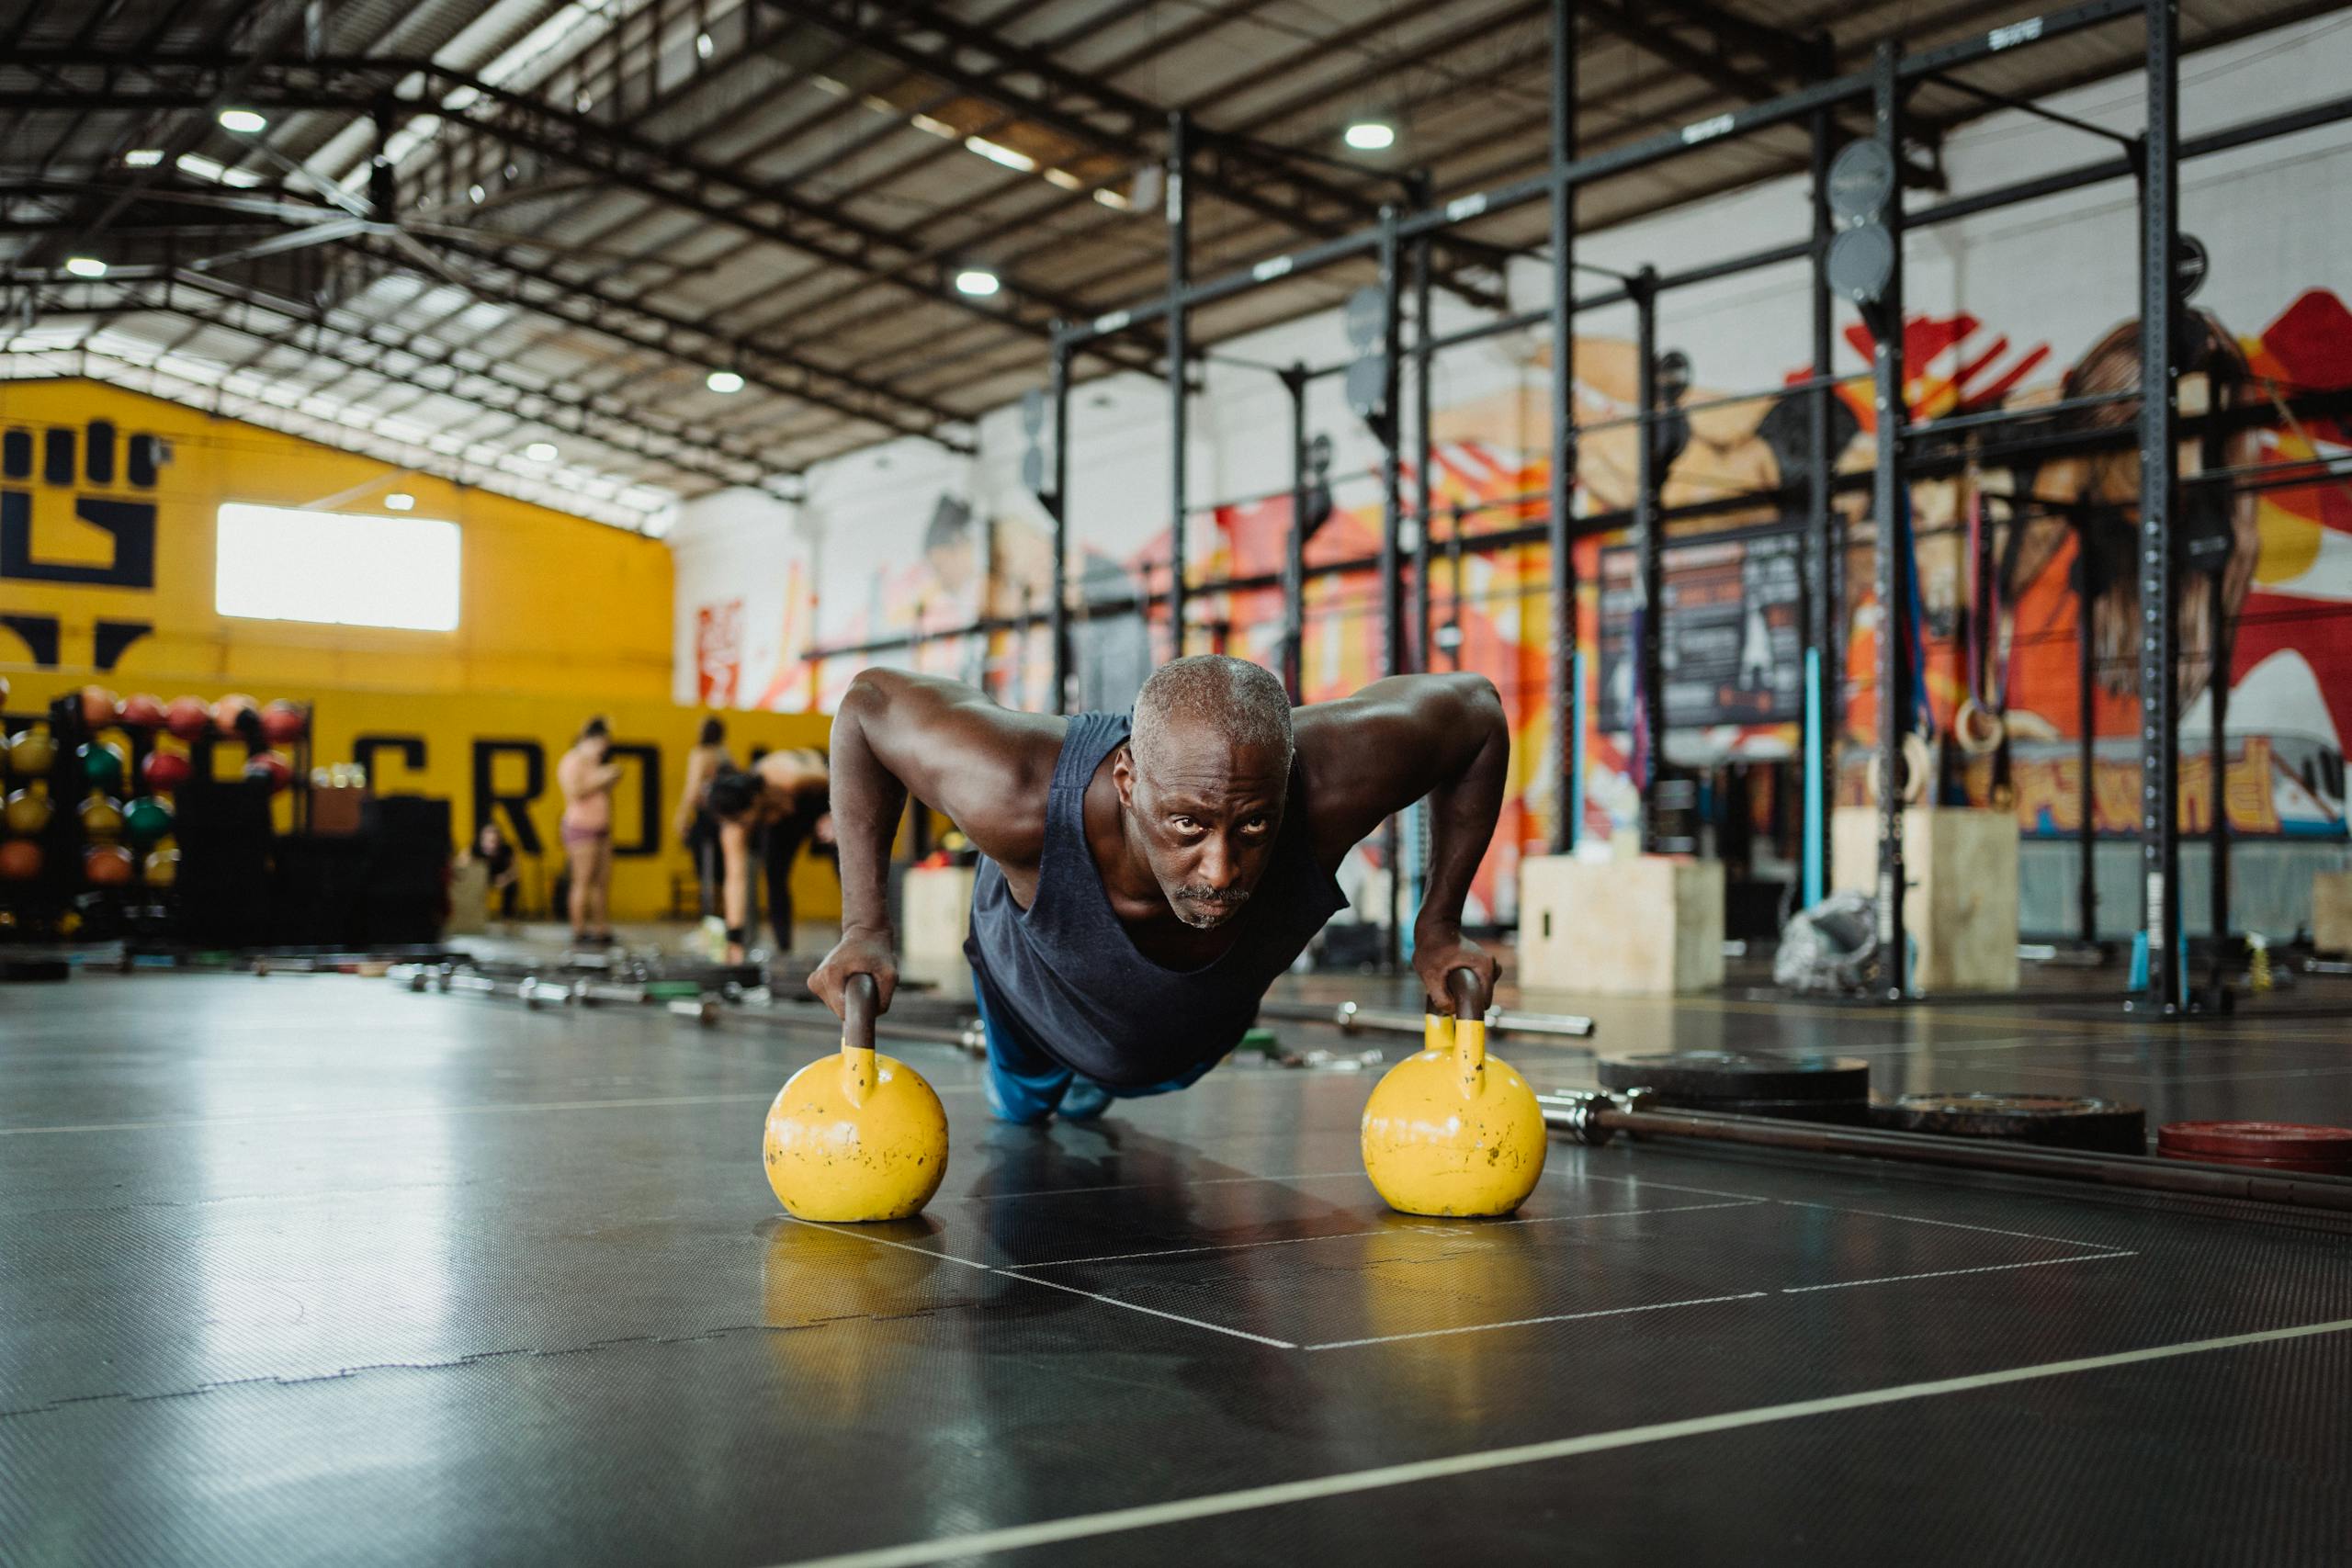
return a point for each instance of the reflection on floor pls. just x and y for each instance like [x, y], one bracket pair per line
[315, 1268]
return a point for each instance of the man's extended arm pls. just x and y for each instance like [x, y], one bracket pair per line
[951, 747]
[1368, 756]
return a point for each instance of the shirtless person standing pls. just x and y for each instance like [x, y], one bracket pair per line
[1143, 881]
[586, 775]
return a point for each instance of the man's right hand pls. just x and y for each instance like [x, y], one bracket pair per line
[858, 953]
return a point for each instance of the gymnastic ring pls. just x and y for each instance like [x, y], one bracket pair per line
[1978, 729]
[1915, 762]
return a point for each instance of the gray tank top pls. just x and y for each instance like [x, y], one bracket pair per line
[1066, 978]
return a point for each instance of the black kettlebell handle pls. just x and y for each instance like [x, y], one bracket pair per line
[861, 1005]
[1468, 993]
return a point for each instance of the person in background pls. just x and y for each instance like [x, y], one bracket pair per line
[781, 801]
[694, 826]
[586, 775]
[496, 856]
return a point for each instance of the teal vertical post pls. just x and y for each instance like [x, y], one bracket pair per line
[1573, 750]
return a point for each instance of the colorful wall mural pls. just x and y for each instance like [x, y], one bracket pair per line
[2286, 633]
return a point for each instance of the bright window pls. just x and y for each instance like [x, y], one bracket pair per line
[282, 565]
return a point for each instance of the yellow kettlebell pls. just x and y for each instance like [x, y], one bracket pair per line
[28, 811]
[33, 754]
[1451, 1130]
[858, 1136]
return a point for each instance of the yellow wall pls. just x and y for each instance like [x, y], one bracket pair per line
[551, 604]
[463, 732]
[561, 617]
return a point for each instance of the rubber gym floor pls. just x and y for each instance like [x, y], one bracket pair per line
[314, 1269]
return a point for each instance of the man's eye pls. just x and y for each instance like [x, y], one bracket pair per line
[1255, 825]
[1183, 824]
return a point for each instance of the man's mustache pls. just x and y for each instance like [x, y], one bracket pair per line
[1219, 898]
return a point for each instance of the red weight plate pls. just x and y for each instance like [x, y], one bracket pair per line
[2255, 1140]
[2287, 1167]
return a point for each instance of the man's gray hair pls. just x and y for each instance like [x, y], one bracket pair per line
[1232, 697]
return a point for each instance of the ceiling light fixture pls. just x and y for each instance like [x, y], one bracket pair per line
[723, 381]
[401, 500]
[998, 152]
[85, 266]
[1370, 136]
[244, 122]
[142, 157]
[540, 451]
[978, 282]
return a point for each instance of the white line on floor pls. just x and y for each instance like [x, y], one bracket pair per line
[1662, 1186]
[1073, 1290]
[1524, 1321]
[1216, 1504]
[1154, 1311]
[1948, 1273]
[1948, 1224]
[1392, 1230]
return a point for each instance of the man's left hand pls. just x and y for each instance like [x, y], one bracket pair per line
[1438, 954]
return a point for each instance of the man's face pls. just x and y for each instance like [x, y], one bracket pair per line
[1206, 815]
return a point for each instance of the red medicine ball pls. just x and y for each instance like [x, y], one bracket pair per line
[188, 717]
[165, 771]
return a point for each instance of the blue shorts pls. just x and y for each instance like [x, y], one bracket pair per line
[1026, 1087]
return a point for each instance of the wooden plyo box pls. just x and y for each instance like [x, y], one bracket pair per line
[2332, 911]
[936, 912]
[1959, 908]
[1649, 925]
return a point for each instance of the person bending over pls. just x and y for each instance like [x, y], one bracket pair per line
[586, 774]
[772, 808]
[694, 826]
[1145, 879]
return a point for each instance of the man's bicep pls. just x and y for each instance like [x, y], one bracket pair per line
[985, 766]
[1373, 754]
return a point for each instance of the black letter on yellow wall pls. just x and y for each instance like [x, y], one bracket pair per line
[39, 634]
[410, 748]
[109, 640]
[648, 799]
[519, 806]
[130, 524]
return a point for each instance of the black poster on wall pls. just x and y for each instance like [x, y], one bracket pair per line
[1732, 644]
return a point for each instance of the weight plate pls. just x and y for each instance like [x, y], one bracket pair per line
[1860, 261]
[2053, 1121]
[1724, 1075]
[1033, 471]
[2289, 1166]
[2255, 1140]
[1861, 180]
[1368, 317]
[1033, 410]
[2190, 265]
[1368, 385]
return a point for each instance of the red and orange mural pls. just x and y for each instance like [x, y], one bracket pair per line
[2285, 555]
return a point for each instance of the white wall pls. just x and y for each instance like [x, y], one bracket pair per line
[2056, 272]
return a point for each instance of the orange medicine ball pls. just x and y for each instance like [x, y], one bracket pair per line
[106, 865]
